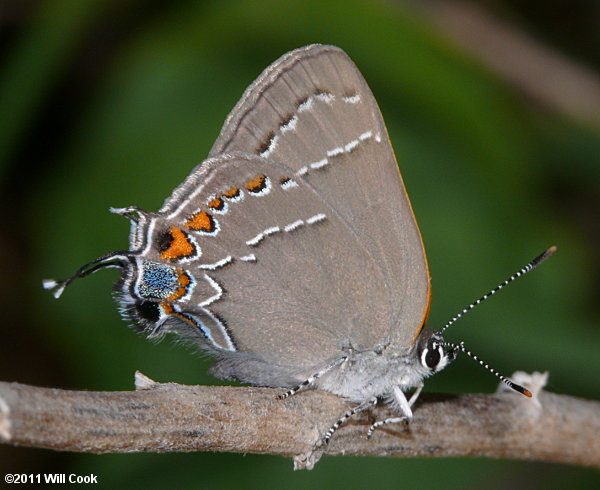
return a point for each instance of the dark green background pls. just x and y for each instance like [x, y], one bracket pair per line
[108, 103]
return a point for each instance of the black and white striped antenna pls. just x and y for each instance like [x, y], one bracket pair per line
[529, 267]
[461, 347]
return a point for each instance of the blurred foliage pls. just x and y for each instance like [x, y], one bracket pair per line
[108, 103]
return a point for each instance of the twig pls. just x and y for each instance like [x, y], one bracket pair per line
[172, 417]
[563, 85]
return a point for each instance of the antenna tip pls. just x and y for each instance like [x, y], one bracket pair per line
[520, 389]
[548, 253]
[543, 256]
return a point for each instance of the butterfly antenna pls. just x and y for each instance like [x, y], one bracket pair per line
[461, 347]
[530, 266]
[114, 259]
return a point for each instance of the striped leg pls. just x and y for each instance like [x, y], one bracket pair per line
[311, 380]
[405, 407]
[359, 408]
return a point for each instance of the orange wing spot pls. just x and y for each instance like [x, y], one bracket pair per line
[183, 278]
[167, 308]
[184, 281]
[217, 203]
[231, 193]
[201, 221]
[180, 245]
[257, 184]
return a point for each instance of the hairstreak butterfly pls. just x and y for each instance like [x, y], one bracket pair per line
[292, 253]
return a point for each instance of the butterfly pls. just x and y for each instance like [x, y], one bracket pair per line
[292, 254]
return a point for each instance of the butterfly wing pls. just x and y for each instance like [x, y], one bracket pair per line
[295, 241]
[277, 282]
[313, 111]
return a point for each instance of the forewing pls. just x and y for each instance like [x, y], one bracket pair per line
[275, 269]
[313, 111]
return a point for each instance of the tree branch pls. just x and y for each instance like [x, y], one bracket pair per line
[170, 417]
[562, 84]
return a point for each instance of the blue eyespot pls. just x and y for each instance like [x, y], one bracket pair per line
[157, 281]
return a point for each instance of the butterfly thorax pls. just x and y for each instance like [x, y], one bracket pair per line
[377, 373]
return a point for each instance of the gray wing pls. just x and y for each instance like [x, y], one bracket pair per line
[281, 283]
[313, 110]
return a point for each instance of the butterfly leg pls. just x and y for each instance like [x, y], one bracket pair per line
[405, 407]
[311, 380]
[359, 408]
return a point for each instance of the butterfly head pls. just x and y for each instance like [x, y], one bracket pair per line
[433, 353]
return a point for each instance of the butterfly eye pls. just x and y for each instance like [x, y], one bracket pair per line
[431, 357]
[434, 357]
[147, 310]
